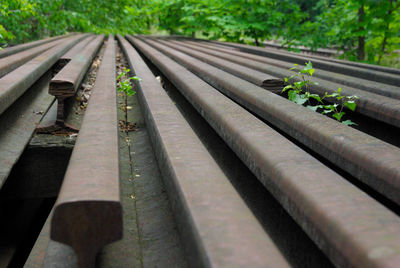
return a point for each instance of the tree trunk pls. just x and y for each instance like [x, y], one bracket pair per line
[386, 32]
[361, 38]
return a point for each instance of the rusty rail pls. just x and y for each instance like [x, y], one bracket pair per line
[263, 64]
[18, 123]
[88, 213]
[204, 200]
[70, 54]
[12, 62]
[368, 74]
[375, 106]
[329, 208]
[65, 84]
[15, 83]
[347, 62]
[345, 147]
[18, 48]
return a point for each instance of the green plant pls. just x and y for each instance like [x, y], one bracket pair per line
[298, 93]
[125, 82]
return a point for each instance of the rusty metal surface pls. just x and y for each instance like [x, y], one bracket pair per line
[12, 62]
[77, 48]
[349, 226]
[66, 82]
[368, 159]
[347, 62]
[14, 84]
[255, 60]
[88, 212]
[240, 70]
[217, 227]
[375, 106]
[18, 48]
[373, 75]
[19, 122]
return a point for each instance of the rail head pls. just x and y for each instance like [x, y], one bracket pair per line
[82, 223]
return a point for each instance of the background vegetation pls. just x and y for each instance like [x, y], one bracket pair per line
[365, 30]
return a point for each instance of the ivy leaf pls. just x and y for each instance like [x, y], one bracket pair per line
[314, 108]
[292, 95]
[287, 87]
[351, 105]
[349, 123]
[316, 97]
[338, 116]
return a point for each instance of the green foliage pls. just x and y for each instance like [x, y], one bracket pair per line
[124, 82]
[298, 93]
[25, 20]
[366, 30]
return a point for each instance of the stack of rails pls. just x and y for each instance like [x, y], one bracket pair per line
[227, 87]
[351, 151]
[255, 60]
[324, 204]
[23, 90]
[327, 52]
[368, 72]
[26, 72]
[87, 214]
[211, 216]
[353, 63]
[378, 107]
[18, 48]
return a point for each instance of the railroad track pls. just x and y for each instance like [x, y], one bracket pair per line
[247, 178]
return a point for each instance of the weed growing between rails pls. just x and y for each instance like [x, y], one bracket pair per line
[125, 86]
[298, 93]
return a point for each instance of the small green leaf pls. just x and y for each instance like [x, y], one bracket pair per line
[292, 95]
[338, 116]
[287, 87]
[351, 105]
[120, 75]
[314, 108]
[316, 97]
[326, 111]
[349, 123]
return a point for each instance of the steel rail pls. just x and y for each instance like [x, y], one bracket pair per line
[368, 159]
[66, 82]
[373, 75]
[10, 63]
[18, 48]
[347, 62]
[88, 212]
[325, 205]
[228, 54]
[256, 77]
[232, 46]
[375, 106]
[212, 216]
[77, 48]
[326, 52]
[14, 84]
[18, 123]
